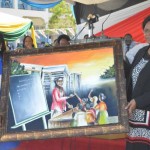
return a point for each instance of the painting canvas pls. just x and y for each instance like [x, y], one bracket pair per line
[64, 90]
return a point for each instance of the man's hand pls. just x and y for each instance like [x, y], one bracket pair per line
[131, 106]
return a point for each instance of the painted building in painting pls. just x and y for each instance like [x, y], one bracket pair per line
[72, 81]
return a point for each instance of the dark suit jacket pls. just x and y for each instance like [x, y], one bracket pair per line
[141, 92]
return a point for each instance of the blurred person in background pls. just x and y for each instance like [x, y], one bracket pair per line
[28, 42]
[63, 40]
[55, 43]
[128, 43]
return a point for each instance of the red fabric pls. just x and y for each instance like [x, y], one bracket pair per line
[132, 25]
[59, 102]
[73, 143]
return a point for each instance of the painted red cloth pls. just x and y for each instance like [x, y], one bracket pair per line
[74, 143]
[58, 100]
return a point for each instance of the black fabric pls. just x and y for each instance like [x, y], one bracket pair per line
[137, 146]
[126, 68]
[82, 11]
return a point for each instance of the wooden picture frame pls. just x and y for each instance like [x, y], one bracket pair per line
[90, 72]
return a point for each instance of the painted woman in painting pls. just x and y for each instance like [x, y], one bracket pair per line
[59, 100]
[102, 107]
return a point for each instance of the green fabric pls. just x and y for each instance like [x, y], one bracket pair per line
[12, 36]
[103, 117]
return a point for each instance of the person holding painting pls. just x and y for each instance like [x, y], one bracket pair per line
[59, 100]
[138, 95]
[2, 50]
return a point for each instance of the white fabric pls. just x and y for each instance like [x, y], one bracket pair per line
[125, 47]
[114, 18]
[7, 19]
[139, 120]
[132, 52]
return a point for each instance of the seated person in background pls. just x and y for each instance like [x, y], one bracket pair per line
[86, 36]
[63, 40]
[42, 44]
[28, 42]
[55, 43]
[128, 43]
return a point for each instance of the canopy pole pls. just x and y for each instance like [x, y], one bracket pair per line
[33, 36]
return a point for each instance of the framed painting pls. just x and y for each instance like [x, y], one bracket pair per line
[63, 91]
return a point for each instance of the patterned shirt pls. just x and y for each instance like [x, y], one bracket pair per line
[137, 69]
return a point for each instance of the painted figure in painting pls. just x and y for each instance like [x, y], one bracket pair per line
[59, 100]
[102, 107]
[86, 114]
[93, 99]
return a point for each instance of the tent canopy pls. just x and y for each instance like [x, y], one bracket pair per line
[42, 3]
[52, 3]
[13, 27]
